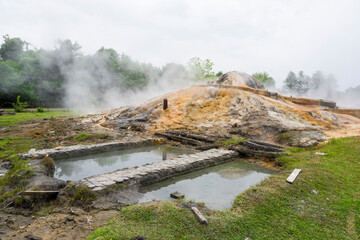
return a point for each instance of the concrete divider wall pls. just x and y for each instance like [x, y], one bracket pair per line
[158, 171]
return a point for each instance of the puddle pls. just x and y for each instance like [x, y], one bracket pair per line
[215, 186]
[78, 168]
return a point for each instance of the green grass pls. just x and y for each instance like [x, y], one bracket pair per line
[15, 179]
[232, 141]
[14, 145]
[79, 195]
[86, 136]
[273, 209]
[11, 120]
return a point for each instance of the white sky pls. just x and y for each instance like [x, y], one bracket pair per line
[245, 35]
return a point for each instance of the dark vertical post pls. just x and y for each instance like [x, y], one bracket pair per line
[165, 104]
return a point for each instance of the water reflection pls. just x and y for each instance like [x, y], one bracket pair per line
[81, 167]
[216, 186]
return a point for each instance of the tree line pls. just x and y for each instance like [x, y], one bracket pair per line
[40, 76]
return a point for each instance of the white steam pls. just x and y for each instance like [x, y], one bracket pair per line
[91, 86]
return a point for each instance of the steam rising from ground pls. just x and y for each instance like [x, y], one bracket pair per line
[91, 85]
[321, 86]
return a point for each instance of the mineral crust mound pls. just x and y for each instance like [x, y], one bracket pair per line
[226, 111]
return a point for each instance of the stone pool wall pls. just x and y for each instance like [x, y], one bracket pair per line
[83, 150]
[158, 171]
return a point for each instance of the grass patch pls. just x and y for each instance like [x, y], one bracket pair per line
[86, 136]
[14, 145]
[15, 179]
[11, 120]
[232, 141]
[79, 195]
[273, 209]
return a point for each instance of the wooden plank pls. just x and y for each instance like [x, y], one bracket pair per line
[180, 139]
[203, 138]
[199, 216]
[293, 175]
[38, 193]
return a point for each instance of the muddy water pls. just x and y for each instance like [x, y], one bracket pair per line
[81, 167]
[215, 186]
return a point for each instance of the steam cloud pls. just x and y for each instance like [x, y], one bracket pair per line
[91, 86]
[327, 88]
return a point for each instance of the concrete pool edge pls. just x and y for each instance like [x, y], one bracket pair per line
[144, 174]
[43, 176]
[83, 150]
[158, 171]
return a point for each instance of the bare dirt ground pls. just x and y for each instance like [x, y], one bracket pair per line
[348, 126]
[64, 223]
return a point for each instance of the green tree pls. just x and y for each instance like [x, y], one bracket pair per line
[317, 80]
[124, 71]
[218, 74]
[202, 68]
[264, 78]
[11, 49]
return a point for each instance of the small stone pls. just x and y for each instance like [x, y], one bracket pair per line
[177, 195]
[50, 133]
[32, 237]
[314, 192]
[32, 151]
[98, 188]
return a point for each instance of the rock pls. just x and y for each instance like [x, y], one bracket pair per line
[42, 182]
[32, 237]
[32, 151]
[50, 133]
[177, 195]
[236, 78]
[315, 192]
[301, 138]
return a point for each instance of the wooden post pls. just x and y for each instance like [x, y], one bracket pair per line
[199, 216]
[164, 156]
[165, 104]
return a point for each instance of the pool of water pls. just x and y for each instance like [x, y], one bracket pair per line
[215, 186]
[81, 167]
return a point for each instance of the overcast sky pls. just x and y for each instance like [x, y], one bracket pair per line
[245, 35]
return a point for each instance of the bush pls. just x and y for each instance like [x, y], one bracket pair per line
[79, 195]
[18, 106]
[40, 109]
